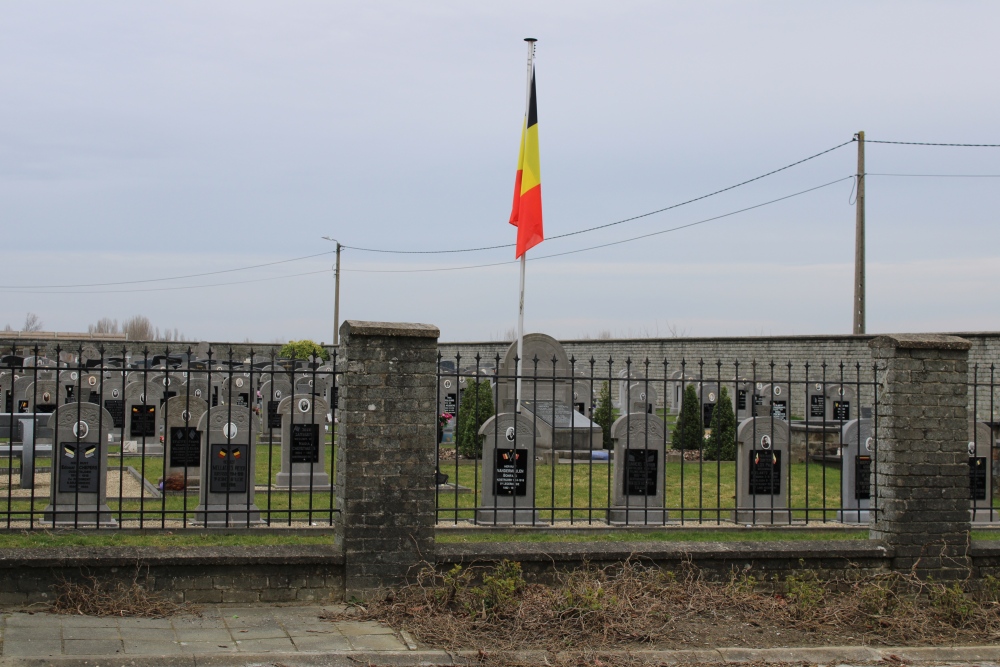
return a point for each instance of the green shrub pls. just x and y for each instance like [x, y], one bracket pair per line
[472, 414]
[603, 415]
[688, 432]
[302, 349]
[721, 445]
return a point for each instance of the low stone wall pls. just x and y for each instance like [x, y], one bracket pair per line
[313, 574]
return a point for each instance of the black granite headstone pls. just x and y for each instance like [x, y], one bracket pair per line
[510, 472]
[640, 472]
[862, 477]
[842, 410]
[185, 447]
[305, 443]
[977, 478]
[779, 409]
[116, 408]
[765, 472]
[273, 418]
[228, 472]
[817, 406]
[143, 421]
[79, 467]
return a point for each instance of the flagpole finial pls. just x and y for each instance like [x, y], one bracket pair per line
[530, 39]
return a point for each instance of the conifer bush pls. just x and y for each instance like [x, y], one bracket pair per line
[688, 431]
[473, 411]
[721, 445]
[603, 415]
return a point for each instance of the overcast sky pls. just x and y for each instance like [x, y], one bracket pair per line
[141, 141]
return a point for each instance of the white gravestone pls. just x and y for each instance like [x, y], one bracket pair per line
[303, 444]
[857, 455]
[226, 496]
[981, 472]
[762, 472]
[638, 470]
[78, 492]
[182, 440]
[508, 471]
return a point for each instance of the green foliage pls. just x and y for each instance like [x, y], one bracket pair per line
[688, 432]
[499, 591]
[302, 349]
[473, 411]
[721, 445]
[952, 605]
[603, 415]
[805, 592]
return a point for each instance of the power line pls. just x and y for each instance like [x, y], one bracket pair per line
[165, 289]
[157, 280]
[940, 175]
[612, 243]
[610, 224]
[927, 143]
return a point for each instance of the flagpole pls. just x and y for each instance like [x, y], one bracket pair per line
[520, 313]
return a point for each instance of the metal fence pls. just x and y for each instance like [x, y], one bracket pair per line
[102, 438]
[652, 443]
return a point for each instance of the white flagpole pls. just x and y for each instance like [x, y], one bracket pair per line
[520, 313]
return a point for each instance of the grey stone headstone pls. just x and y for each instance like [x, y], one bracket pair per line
[21, 384]
[303, 444]
[639, 398]
[762, 461]
[508, 490]
[981, 472]
[537, 382]
[226, 496]
[143, 418]
[182, 440]
[678, 382]
[78, 493]
[237, 390]
[841, 403]
[77, 385]
[638, 470]
[857, 455]
[41, 396]
[776, 400]
[272, 392]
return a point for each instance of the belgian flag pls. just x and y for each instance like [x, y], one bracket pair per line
[526, 213]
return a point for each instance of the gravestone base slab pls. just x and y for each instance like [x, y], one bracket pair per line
[620, 516]
[216, 516]
[854, 516]
[983, 516]
[509, 517]
[763, 516]
[300, 481]
[82, 515]
[136, 447]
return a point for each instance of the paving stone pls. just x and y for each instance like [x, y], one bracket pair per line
[266, 645]
[208, 647]
[322, 643]
[89, 621]
[148, 634]
[270, 632]
[354, 628]
[145, 623]
[103, 647]
[220, 635]
[377, 643]
[153, 648]
[311, 630]
[91, 633]
[32, 648]
[31, 620]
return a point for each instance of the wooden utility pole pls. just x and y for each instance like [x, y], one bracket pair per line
[859, 242]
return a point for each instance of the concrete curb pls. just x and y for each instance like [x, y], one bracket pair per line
[816, 655]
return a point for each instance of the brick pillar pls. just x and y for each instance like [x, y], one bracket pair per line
[921, 476]
[386, 452]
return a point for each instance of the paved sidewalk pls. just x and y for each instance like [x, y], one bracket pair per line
[298, 637]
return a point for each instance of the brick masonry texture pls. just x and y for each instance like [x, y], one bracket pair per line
[799, 350]
[385, 464]
[923, 425]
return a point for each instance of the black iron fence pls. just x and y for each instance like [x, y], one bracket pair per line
[105, 438]
[656, 443]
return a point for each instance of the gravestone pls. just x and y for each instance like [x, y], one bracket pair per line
[708, 395]
[237, 390]
[584, 389]
[762, 461]
[638, 470]
[639, 398]
[226, 496]
[196, 387]
[182, 439]
[677, 382]
[78, 492]
[743, 399]
[40, 397]
[981, 472]
[143, 418]
[303, 444]
[7, 376]
[815, 402]
[73, 387]
[775, 400]
[841, 403]
[21, 383]
[272, 392]
[857, 455]
[508, 471]
[448, 397]
[112, 396]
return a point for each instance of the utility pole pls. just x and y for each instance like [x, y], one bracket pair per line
[336, 293]
[859, 241]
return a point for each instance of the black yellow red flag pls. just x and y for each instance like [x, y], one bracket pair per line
[526, 213]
